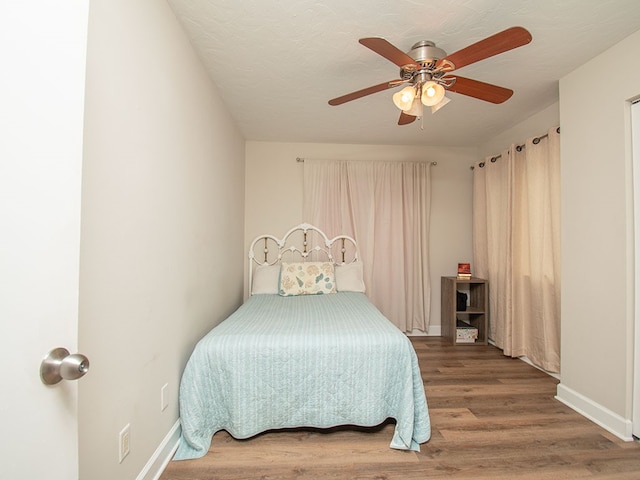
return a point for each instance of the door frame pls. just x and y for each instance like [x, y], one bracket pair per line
[635, 133]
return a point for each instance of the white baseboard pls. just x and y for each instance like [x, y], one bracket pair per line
[162, 456]
[614, 423]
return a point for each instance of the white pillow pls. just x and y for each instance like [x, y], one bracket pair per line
[349, 277]
[307, 278]
[265, 279]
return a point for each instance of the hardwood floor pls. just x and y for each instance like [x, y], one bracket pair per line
[492, 418]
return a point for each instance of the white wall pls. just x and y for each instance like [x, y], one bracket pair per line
[162, 226]
[597, 237]
[535, 125]
[274, 196]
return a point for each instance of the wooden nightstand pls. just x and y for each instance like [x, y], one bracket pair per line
[474, 316]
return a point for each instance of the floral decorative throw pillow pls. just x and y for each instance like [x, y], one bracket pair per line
[307, 278]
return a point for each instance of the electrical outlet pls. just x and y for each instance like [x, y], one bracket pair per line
[164, 397]
[124, 442]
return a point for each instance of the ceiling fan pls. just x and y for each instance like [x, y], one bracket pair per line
[427, 72]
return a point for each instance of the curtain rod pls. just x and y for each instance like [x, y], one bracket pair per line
[301, 160]
[519, 148]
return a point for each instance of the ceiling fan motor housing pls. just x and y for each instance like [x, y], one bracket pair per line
[426, 53]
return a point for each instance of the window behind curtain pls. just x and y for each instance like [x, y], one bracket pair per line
[385, 206]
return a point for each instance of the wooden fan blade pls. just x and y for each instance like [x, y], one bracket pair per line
[500, 42]
[480, 90]
[363, 93]
[388, 51]
[405, 119]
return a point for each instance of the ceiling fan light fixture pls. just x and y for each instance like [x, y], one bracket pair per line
[416, 108]
[404, 98]
[438, 106]
[432, 93]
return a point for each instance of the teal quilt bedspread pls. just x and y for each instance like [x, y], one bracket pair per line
[305, 361]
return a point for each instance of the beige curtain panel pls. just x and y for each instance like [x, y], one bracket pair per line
[385, 206]
[516, 243]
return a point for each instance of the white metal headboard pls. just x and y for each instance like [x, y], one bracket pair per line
[304, 242]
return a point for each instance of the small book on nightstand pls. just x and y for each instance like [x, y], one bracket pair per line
[464, 271]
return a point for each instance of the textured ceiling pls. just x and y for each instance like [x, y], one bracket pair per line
[277, 63]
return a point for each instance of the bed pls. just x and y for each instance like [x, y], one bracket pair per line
[292, 356]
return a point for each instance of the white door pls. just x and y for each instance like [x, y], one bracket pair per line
[42, 52]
